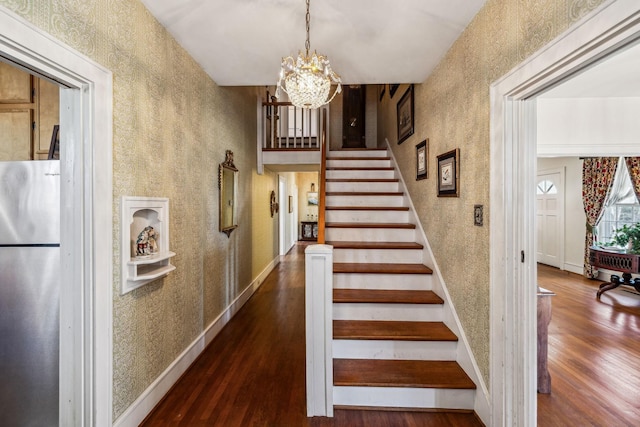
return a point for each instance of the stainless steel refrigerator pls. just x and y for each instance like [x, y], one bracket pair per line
[29, 293]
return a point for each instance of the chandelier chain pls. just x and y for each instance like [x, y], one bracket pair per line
[307, 44]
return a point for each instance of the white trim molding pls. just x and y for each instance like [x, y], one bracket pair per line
[86, 120]
[144, 404]
[513, 157]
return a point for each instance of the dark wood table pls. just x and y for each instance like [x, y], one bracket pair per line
[625, 263]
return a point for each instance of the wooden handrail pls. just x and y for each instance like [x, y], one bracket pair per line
[323, 173]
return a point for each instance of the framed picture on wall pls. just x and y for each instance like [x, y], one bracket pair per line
[449, 173]
[290, 204]
[422, 152]
[405, 115]
[312, 198]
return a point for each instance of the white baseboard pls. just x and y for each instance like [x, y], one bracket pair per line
[573, 268]
[144, 404]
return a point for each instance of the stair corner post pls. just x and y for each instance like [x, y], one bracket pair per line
[319, 329]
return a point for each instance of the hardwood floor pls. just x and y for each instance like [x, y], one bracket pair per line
[253, 373]
[594, 354]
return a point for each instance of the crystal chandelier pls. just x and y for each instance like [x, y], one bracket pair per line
[307, 79]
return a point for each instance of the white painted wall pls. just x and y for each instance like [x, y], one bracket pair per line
[574, 218]
[588, 126]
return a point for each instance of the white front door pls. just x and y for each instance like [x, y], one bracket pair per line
[550, 217]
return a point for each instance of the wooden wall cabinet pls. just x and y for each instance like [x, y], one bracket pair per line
[29, 108]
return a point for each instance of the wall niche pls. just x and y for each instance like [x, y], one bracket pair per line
[145, 241]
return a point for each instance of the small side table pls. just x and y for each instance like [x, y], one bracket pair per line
[309, 230]
[625, 263]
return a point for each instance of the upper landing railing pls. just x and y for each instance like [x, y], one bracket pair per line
[286, 127]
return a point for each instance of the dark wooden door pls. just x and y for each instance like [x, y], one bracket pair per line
[353, 114]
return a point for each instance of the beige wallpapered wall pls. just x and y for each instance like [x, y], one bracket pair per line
[172, 125]
[452, 110]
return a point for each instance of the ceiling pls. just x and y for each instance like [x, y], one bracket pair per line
[242, 42]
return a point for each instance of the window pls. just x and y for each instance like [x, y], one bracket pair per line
[622, 206]
[546, 187]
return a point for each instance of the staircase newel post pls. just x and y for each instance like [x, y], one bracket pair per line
[319, 329]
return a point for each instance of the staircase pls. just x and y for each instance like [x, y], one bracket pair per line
[391, 348]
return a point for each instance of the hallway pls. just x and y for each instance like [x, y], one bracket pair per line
[253, 373]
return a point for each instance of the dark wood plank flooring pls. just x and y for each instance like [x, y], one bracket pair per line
[253, 373]
[594, 354]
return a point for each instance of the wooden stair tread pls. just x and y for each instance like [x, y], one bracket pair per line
[392, 330]
[400, 373]
[369, 225]
[362, 180]
[375, 268]
[359, 168]
[358, 158]
[388, 296]
[366, 208]
[375, 245]
[365, 193]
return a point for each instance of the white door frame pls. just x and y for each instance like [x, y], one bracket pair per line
[512, 219]
[561, 210]
[283, 217]
[86, 216]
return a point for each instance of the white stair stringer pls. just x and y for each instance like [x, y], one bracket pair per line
[365, 186]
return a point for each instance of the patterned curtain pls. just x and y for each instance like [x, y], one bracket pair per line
[597, 177]
[633, 165]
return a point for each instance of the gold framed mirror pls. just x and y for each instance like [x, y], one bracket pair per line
[228, 185]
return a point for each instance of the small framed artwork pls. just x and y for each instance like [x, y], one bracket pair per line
[405, 115]
[422, 152]
[449, 173]
[290, 204]
[312, 198]
[392, 90]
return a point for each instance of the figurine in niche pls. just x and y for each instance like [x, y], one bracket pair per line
[146, 243]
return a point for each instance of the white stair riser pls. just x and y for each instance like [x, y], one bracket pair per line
[366, 216]
[379, 311]
[399, 350]
[360, 200]
[371, 163]
[361, 174]
[383, 281]
[370, 234]
[404, 397]
[357, 153]
[392, 256]
[361, 186]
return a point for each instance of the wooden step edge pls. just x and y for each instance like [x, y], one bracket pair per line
[381, 268]
[392, 225]
[359, 158]
[362, 180]
[385, 296]
[365, 193]
[359, 169]
[374, 245]
[404, 409]
[387, 330]
[367, 208]
[400, 373]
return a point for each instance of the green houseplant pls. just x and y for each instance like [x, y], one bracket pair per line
[628, 237]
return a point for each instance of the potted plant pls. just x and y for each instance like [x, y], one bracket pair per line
[628, 237]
